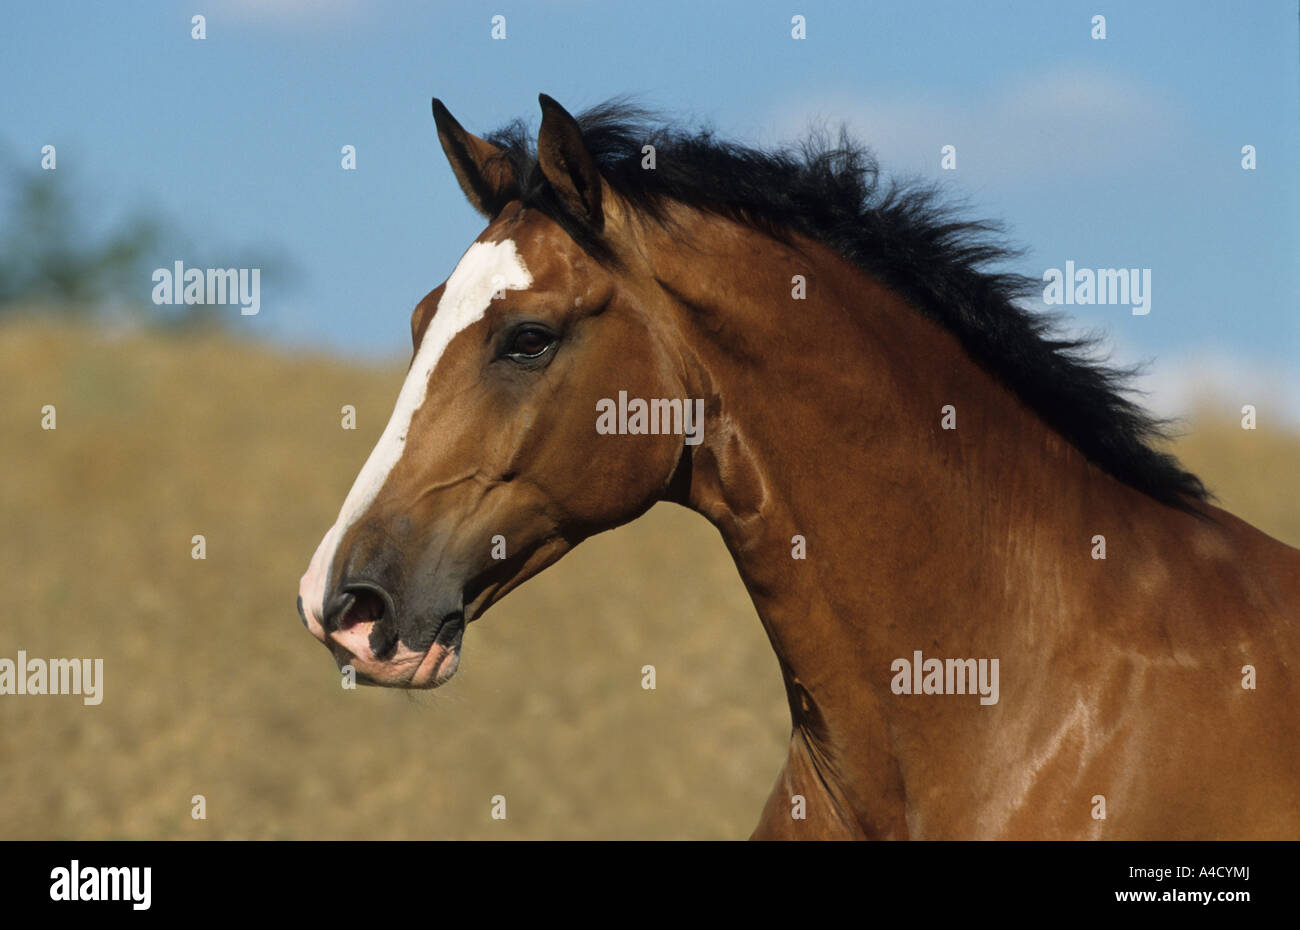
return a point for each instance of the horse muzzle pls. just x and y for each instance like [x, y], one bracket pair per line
[360, 628]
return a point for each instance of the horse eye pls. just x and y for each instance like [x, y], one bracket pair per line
[530, 342]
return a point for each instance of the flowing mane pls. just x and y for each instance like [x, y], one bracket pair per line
[904, 235]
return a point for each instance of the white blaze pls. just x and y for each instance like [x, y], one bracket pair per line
[483, 269]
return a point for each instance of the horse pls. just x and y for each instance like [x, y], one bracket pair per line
[1000, 610]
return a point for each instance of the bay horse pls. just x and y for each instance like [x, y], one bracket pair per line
[903, 461]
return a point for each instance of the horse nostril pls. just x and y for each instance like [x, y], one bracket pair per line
[361, 603]
[366, 606]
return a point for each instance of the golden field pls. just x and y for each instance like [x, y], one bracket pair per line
[212, 687]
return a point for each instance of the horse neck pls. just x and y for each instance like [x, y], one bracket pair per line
[825, 425]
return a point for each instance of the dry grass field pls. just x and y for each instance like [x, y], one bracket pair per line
[212, 687]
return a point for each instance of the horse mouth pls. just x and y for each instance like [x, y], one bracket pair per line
[403, 668]
[366, 643]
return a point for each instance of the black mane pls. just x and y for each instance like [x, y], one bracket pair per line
[900, 233]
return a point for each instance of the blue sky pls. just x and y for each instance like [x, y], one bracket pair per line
[1116, 153]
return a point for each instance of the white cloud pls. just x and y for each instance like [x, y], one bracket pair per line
[1221, 384]
[1074, 123]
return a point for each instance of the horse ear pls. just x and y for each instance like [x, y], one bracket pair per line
[567, 164]
[481, 168]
